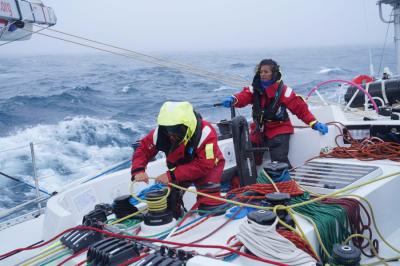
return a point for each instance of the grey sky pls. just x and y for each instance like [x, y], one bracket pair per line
[165, 25]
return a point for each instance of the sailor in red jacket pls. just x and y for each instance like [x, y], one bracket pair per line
[270, 98]
[191, 147]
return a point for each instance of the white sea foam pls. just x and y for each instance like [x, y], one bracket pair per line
[68, 150]
[327, 70]
[224, 88]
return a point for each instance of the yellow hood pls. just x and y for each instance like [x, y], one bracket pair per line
[175, 113]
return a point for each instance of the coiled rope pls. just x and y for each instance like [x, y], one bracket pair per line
[156, 203]
[370, 149]
[265, 242]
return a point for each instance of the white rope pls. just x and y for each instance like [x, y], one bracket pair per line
[266, 243]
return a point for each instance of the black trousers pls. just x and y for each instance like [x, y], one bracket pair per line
[278, 148]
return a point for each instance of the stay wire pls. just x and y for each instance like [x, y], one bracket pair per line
[147, 60]
[177, 64]
[384, 44]
[371, 65]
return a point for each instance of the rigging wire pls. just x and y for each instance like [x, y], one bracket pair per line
[173, 63]
[371, 65]
[216, 77]
[384, 44]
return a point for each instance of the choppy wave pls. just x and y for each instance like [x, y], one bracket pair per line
[333, 71]
[65, 151]
[224, 88]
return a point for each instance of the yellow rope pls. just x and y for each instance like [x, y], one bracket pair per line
[374, 251]
[375, 224]
[270, 180]
[157, 204]
[128, 216]
[379, 261]
[51, 246]
[42, 256]
[333, 194]
[340, 191]
[303, 235]
[290, 207]
[369, 205]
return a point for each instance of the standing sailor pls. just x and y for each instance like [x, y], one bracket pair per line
[270, 98]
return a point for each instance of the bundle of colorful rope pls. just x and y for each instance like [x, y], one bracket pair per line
[258, 191]
[331, 221]
[357, 226]
[367, 150]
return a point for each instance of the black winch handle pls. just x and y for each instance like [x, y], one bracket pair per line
[233, 113]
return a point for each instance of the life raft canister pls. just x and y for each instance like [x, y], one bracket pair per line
[384, 91]
[362, 79]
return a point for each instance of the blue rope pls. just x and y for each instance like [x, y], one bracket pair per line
[142, 194]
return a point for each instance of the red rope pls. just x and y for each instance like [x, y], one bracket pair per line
[130, 261]
[146, 240]
[290, 187]
[369, 149]
[299, 242]
[192, 226]
[357, 226]
[81, 263]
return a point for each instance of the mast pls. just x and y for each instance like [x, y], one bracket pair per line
[396, 21]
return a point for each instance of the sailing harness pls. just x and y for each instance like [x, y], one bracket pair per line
[271, 112]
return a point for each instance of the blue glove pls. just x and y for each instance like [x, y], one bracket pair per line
[321, 127]
[228, 101]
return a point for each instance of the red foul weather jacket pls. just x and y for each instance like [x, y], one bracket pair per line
[206, 166]
[288, 99]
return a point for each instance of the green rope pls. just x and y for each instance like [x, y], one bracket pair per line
[331, 220]
[128, 223]
[68, 252]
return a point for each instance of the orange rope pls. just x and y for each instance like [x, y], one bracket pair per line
[290, 187]
[297, 241]
[367, 150]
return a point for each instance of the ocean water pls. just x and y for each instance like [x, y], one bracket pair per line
[83, 112]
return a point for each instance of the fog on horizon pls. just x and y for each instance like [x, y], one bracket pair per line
[209, 25]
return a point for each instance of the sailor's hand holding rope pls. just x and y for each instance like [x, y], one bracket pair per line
[141, 177]
[162, 179]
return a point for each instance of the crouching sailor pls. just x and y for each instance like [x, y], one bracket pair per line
[192, 152]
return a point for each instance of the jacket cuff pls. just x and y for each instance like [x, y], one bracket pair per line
[312, 123]
[137, 171]
[235, 100]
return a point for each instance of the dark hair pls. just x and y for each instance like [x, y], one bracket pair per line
[268, 62]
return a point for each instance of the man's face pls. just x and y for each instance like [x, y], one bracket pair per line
[176, 134]
[174, 138]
